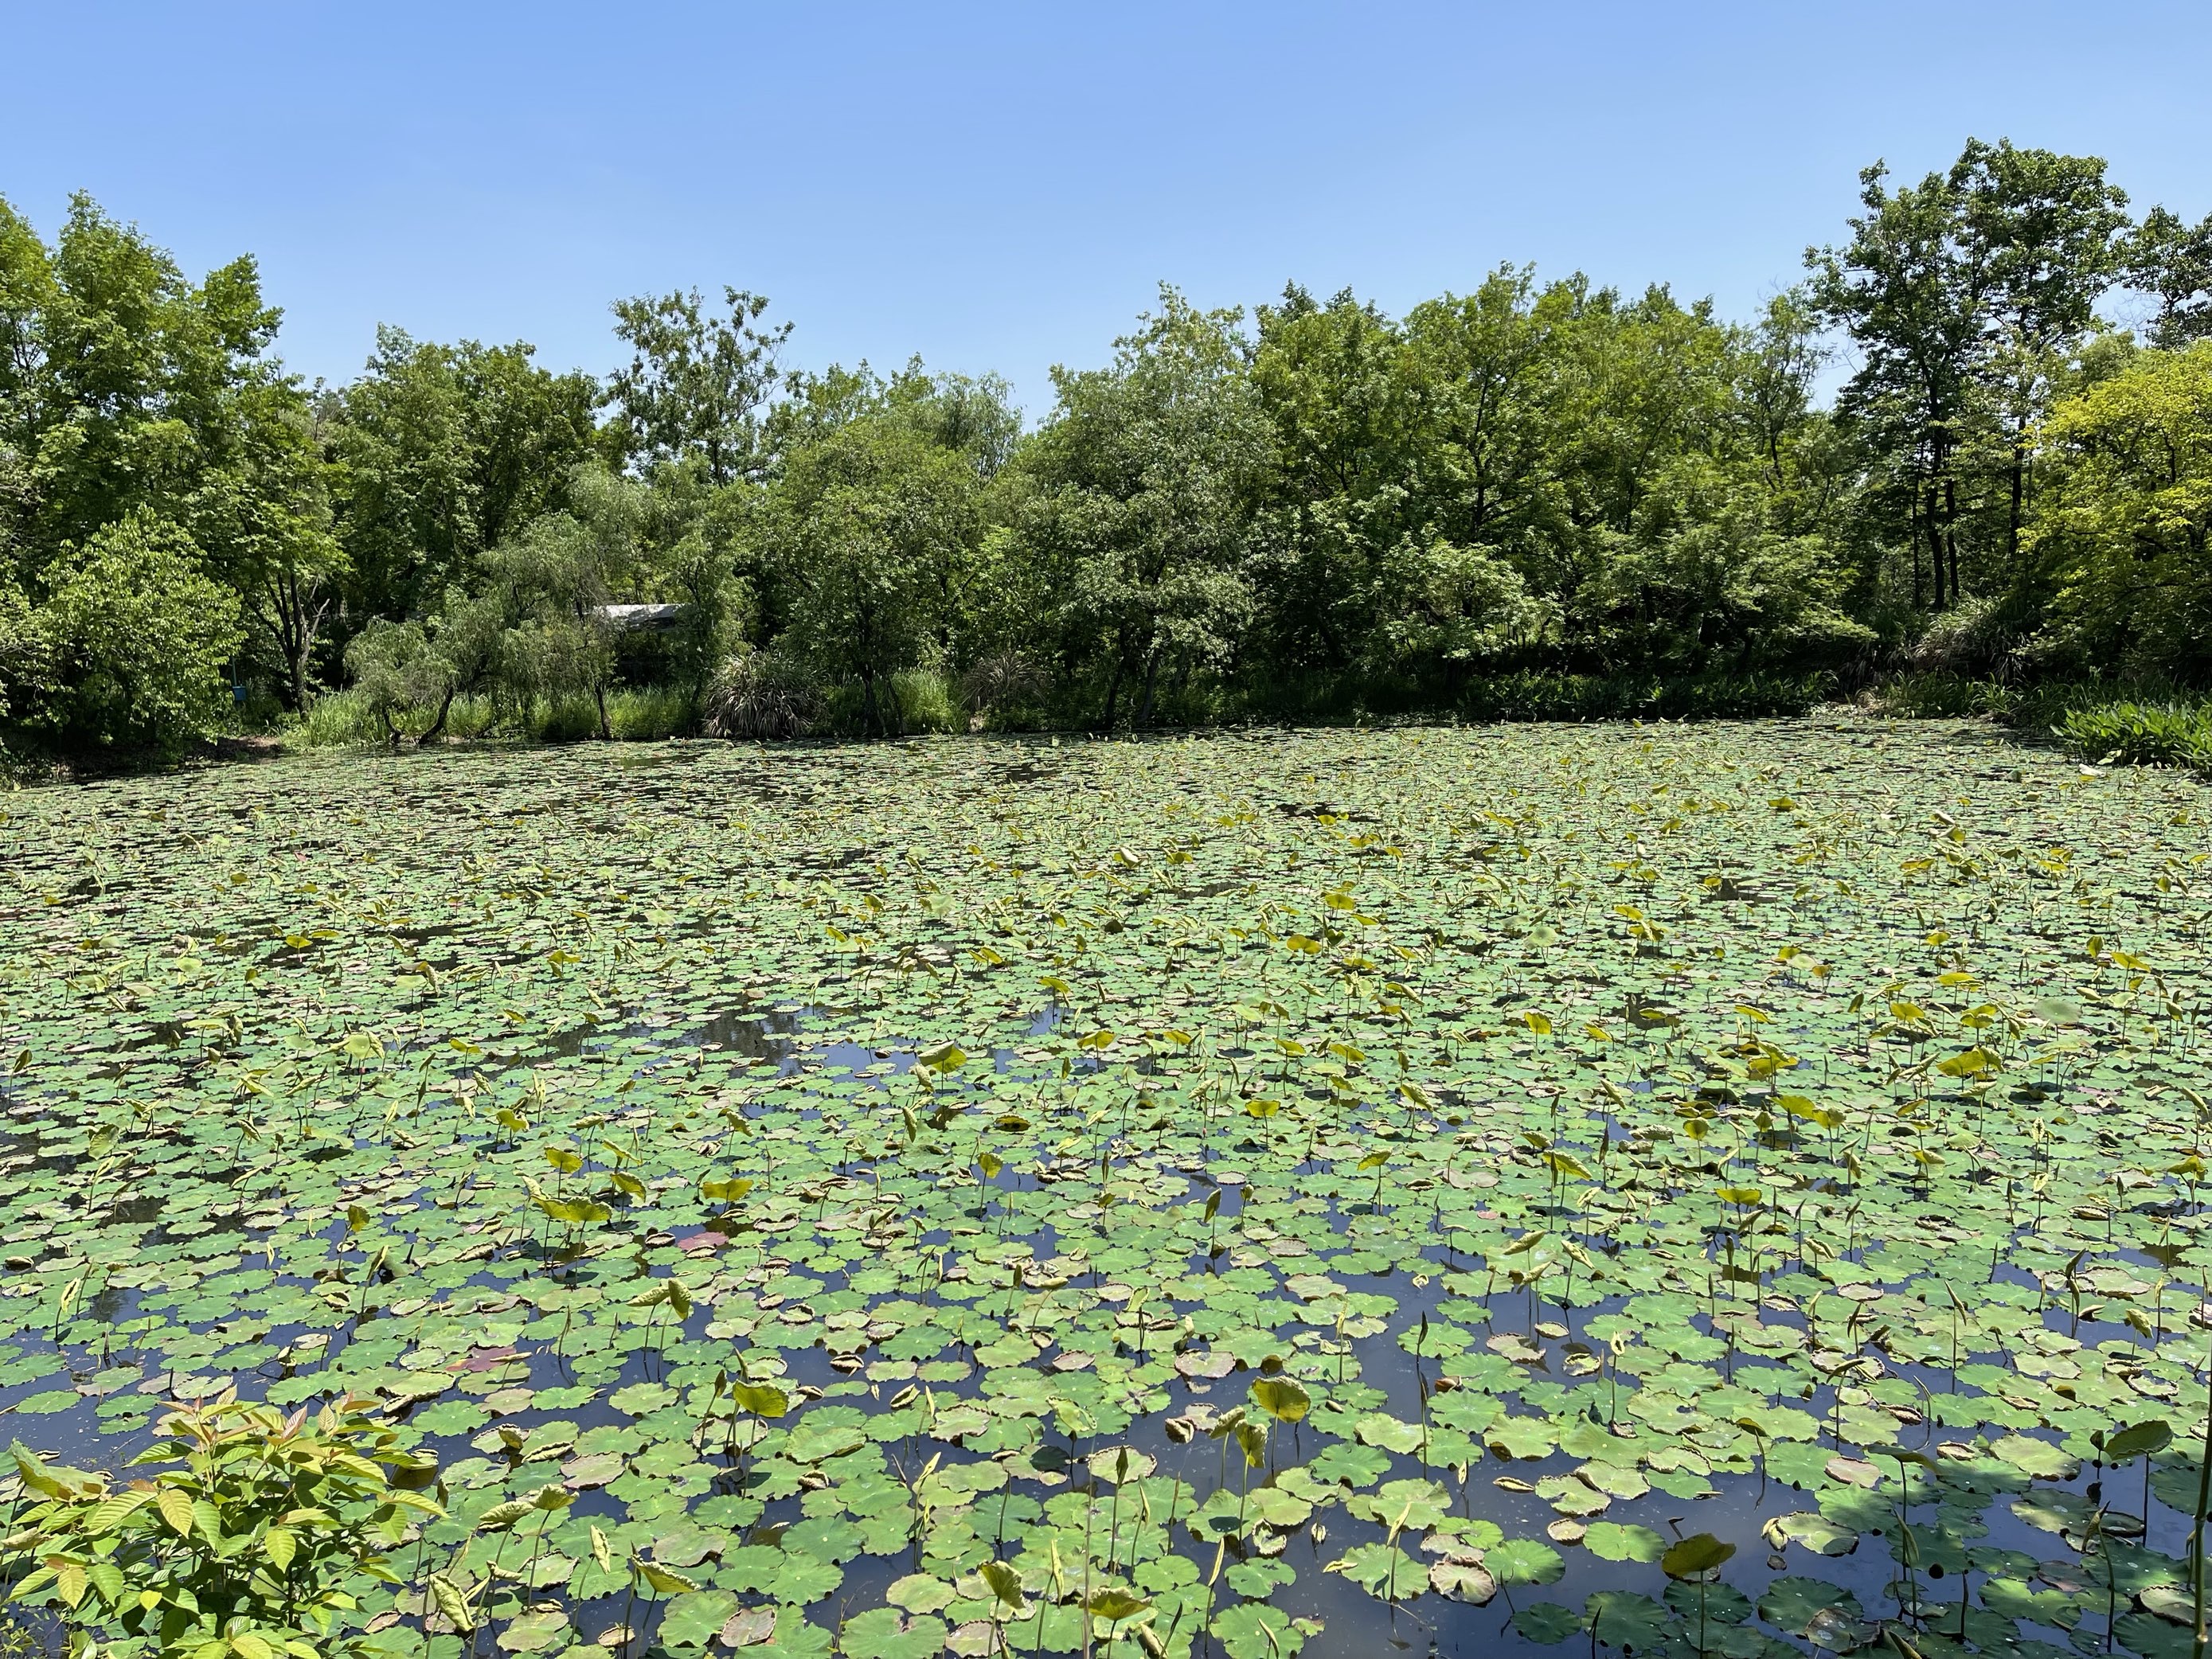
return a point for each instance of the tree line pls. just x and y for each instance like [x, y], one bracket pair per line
[1312, 510]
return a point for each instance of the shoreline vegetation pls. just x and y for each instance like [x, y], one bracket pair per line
[1538, 499]
[2093, 722]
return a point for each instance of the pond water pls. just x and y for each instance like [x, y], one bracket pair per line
[1337, 1193]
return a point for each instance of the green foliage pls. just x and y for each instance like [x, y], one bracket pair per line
[1942, 696]
[1141, 486]
[446, 451]
[1534, 498]
[866, 534]
[650, 714]
[2159, 734]
[679, 1127]
[125, 388]
[408, 676]
[139, 638]
[2126, 545]
[248, 1548]
[764, 697]
[696, 383]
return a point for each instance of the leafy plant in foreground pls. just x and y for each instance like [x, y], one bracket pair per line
[245, 1550]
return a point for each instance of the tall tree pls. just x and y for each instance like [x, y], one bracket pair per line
[1909, 289]
[1148, 473]
[2047, 231]
[556, 575]
[445, 451]
[1341, 389]
[2128, 541]
[866, 528]
[129, 393]
[123, 385]
[2172, 261]
[1967, 295]
[697, 383]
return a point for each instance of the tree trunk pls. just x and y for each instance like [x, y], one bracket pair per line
[1919, 590]
[1951, 533]
[1114, 685]
[871, 716]
[1151, 674]
[438, 725]
[2019, 498]
[600, 696]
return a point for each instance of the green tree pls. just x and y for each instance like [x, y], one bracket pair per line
[445, 451]
[2126, 545]
[2172, 261]
[866, 530]
[138, 636]
[1146, 478]
[266, 522]
[126, 390]
[123, 385]
[409, 674]
[697, 383]
[2048, 233]
[1346, 399]
[1910, 294]
[1966, 296]
[557, 575]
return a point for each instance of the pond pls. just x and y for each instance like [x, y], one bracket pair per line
[1453, 1191]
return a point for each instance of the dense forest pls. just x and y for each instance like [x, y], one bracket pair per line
[1533, 488]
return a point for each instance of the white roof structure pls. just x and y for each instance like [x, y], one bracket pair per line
[641, 616]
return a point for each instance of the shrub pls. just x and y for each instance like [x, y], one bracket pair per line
[339, 719]
[1974, 639]
[2141, 734]
[649, 713]
[139, 638]
[1943, 695]
[925, 701]
[1549, 696]
[242, 1553]
[1006, 682]
[761, 696]
[573, 719]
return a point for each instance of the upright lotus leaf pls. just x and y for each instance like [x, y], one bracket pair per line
[1282, 1398]
[1696, 1558]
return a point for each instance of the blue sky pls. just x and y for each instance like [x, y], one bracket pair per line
[1001, 187]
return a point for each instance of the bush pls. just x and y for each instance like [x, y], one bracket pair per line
[761, 696]
[570, 719]
[242, 1552]
[926, 701]
[1943, 695]
[2141, 734]
[1973, 640]
[139, 638]
[1005, 688]
[649, 713]
[339, 719]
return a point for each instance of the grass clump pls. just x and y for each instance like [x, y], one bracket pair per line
[2140, 733]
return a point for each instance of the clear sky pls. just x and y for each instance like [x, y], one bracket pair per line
[1002, 187]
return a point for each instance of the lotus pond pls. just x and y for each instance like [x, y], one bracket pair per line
[1337, 1193]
